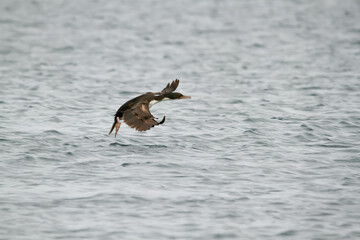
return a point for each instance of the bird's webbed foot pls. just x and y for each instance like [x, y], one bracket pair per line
[117, 125]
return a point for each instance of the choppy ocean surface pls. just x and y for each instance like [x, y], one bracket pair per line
[267, 148]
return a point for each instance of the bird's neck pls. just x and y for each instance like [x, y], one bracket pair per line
[157, 99]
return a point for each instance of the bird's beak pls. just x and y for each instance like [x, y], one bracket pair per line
[185, 97]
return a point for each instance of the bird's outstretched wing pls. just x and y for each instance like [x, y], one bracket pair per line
[170, 87]
[140, 118]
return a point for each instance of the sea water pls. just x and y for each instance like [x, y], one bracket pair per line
[267, 148]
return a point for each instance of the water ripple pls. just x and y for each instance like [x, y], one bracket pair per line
[267, 148]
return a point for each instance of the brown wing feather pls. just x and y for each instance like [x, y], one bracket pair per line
[139, 117]
[171, 87]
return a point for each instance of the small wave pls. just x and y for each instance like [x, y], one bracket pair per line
[278, 118]
[55, 119]
[126, 164]
[65, 49]
[288, 233]
[119, 144]
[156, 146]
[348, 124]
[252, 130]
[52, 132]
[306, 127]
[333, 145]
[236, 101]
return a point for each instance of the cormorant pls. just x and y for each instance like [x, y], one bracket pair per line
[136, 112]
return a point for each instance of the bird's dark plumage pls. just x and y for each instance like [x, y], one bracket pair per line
[171, 87]
[136, 112]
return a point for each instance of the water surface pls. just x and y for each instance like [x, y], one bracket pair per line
[267, 148]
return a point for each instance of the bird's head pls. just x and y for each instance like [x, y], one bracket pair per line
[176, 95]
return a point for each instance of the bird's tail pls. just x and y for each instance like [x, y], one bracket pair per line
[112, 128]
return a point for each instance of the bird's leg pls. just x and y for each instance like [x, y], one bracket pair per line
[117, 125]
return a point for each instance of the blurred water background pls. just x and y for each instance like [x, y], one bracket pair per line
[267, 148]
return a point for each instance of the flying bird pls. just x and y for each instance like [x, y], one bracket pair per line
[136, 112]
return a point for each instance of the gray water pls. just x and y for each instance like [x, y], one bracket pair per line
[267, 148]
